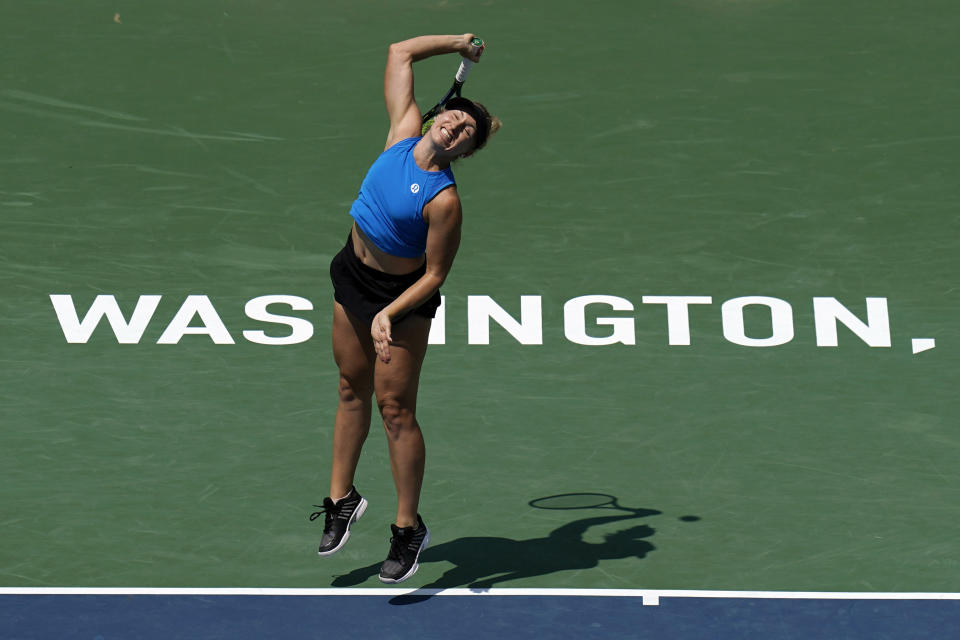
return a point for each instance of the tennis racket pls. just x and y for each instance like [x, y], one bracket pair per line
[462, 72]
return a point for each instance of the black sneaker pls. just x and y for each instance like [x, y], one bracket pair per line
[405, 547]
[338, 516]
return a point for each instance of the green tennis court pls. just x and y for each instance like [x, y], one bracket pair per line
[709, 267]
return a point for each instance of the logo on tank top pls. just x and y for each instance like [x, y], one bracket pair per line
[414, 188]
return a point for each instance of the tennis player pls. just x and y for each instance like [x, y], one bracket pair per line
[386, 281]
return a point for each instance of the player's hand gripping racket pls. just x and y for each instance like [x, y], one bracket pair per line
[462, 72]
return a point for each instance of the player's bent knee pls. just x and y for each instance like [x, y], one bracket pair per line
[396, 417]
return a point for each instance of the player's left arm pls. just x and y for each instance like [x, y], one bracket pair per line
[444, 217]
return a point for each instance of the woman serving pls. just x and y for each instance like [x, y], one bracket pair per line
[386, 281]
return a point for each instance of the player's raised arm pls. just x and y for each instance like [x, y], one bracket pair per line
[401, 106]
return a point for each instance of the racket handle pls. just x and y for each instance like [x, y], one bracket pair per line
[464, 70]
[465, 64]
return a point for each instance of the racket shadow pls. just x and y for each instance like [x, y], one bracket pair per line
[481, 562]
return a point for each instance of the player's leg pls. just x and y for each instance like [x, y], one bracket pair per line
[354, 354]
[396, 384]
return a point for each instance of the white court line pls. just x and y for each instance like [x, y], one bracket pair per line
[648, 596]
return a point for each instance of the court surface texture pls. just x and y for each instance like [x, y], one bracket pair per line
[709, 269]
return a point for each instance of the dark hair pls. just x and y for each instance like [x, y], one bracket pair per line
[478, 112]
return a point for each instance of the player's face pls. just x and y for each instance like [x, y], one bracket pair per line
[454, 131]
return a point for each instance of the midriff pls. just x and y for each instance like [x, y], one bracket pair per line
[370, 255]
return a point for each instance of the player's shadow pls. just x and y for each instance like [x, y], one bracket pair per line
[482, 562]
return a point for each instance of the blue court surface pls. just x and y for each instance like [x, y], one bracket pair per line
[462, 613]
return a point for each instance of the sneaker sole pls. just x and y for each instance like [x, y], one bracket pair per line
[416, 564]
[361, 509]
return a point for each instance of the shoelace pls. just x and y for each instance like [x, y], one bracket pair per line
[400, 543]
[396, 545]
[329, 512]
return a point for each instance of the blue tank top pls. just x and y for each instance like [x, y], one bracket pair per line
[389, 207]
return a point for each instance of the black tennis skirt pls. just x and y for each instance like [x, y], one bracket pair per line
[365, 291]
